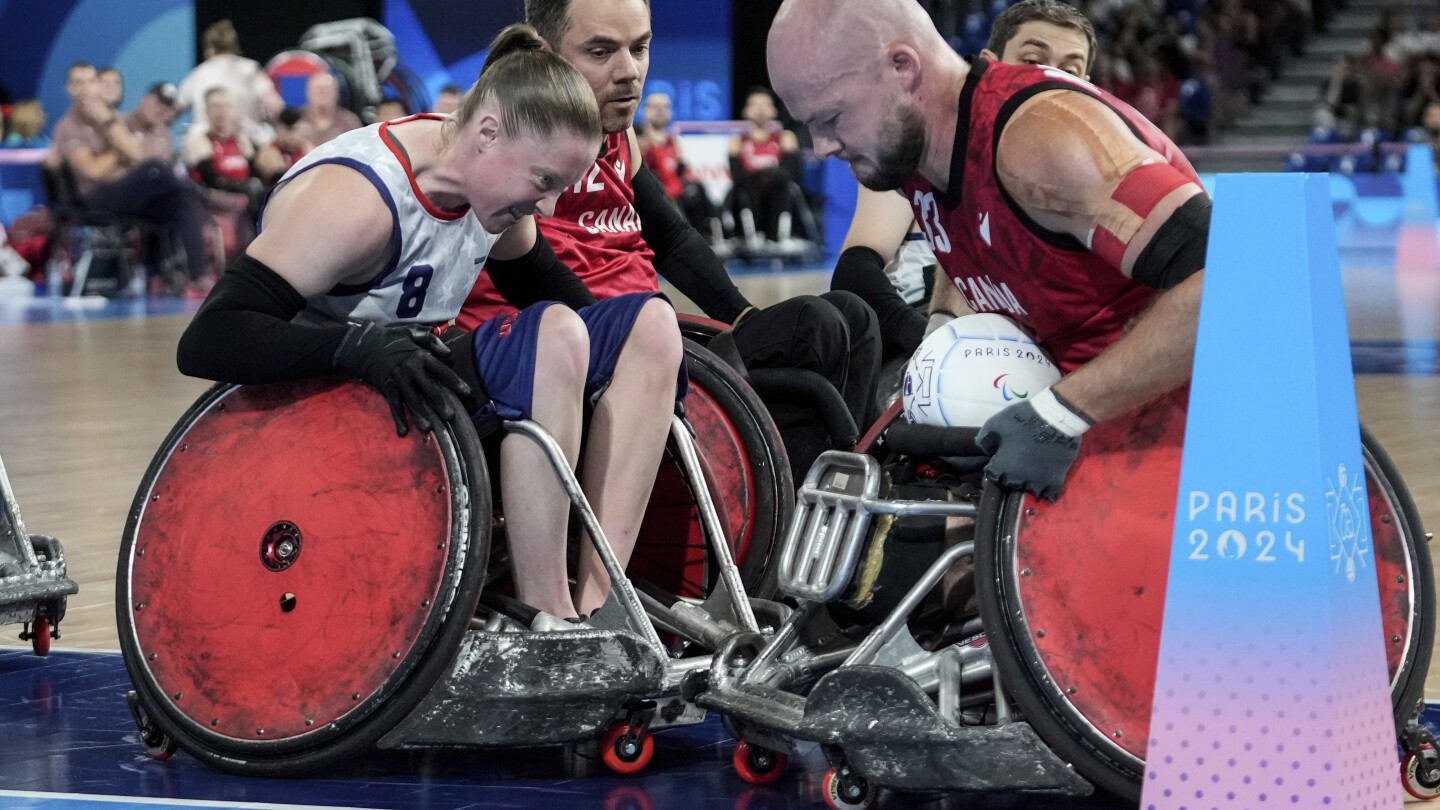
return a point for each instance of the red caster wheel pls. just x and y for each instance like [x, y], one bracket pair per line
[846, 790]
[38, 634]
[1419, 783]
[626, 751]
[757, 765]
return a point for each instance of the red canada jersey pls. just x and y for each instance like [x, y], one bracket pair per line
[229, 161]
[595, 232]
[1073, 302]
[757, 155]
[663, 159]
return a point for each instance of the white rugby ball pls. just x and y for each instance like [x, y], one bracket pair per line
[972, 367]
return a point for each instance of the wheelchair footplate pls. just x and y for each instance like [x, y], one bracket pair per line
[887, 712]
[511, 689]
[33, 581]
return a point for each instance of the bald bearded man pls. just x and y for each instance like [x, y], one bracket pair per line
[1045, 199]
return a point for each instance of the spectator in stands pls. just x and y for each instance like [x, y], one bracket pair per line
[448, 101]
[765, 168]
[151, 121]
[251, 92]
[1196, 102]
[276, 157]
[24, 128]
[323, 119]
[1421, 86]
[391, 108]
[1414, 43]
[111, 86]
[659, 147]
[113, 173]
[1342, 98]
[660, 151]
[1156, 94]
[220, 155]
[1380, 77]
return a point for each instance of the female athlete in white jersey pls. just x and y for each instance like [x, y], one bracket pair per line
[384, 230]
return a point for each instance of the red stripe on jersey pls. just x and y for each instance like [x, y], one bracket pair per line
[430, 208]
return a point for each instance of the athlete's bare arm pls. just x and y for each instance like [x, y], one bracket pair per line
[882, 218]
[945, 298]
[1061, 157]
[328, 226]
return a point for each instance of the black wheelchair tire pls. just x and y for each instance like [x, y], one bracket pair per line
[1041, 703]
[464, 575]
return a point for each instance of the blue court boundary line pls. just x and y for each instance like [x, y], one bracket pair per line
[44, 801]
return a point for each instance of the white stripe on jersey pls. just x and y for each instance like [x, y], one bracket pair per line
[433, 263]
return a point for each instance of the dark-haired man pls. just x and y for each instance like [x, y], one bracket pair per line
[617, 229]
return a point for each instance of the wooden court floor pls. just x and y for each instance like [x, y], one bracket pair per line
[83, 405]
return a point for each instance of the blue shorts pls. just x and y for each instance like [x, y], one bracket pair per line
[505, 352]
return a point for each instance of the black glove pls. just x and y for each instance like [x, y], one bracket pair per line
[402, 363]
[1028, 451]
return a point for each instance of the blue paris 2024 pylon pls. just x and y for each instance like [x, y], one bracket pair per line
[1272, 689]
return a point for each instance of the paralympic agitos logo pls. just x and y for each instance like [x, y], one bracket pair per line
[1007, 393]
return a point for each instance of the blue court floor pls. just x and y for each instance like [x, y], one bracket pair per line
[67, 743]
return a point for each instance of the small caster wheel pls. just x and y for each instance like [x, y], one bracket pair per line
[625, 751]
[847, 790]
[1419, 774]
[38, 634]
[157, 744]
[758, 765]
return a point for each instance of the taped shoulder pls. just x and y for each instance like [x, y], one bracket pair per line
[1061, 155]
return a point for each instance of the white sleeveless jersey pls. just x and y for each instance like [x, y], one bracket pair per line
[435, 255]
[907, 269]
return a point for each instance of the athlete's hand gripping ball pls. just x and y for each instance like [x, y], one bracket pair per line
[1032, 444]
[402, 363]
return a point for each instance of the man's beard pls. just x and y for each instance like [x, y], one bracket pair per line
[903, 146]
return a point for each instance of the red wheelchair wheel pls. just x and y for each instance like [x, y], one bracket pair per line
[626, 752]
[294, 577]
[1091, 671]
[757, 765]
[743, 459]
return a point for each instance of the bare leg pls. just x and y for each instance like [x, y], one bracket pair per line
[536, 507]
[627, 436]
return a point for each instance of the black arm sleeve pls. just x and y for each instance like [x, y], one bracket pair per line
[861, 270]
[1177, 250]
[243, 333]
[681, 255]
[537, 276]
